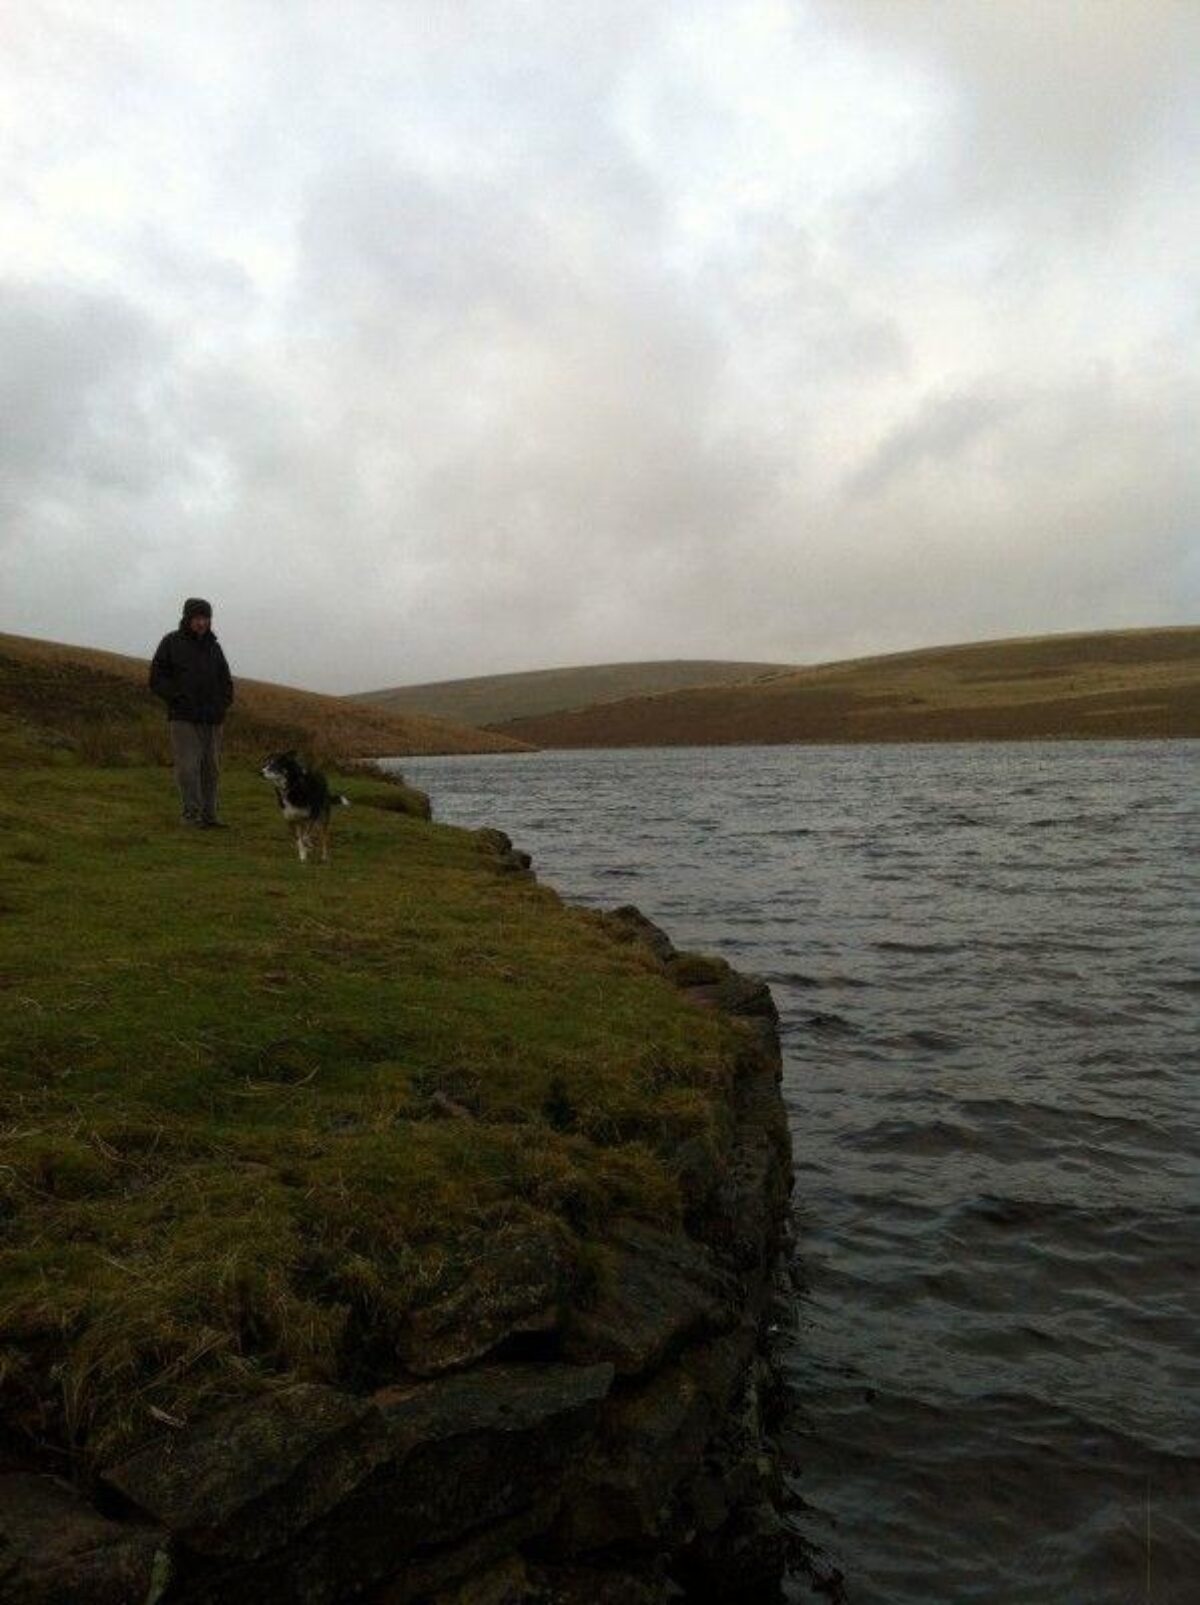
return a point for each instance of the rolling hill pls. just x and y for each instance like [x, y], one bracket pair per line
[1112, 684]
[492, 699]
[65, 700]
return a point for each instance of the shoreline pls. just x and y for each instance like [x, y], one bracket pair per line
[821, 742]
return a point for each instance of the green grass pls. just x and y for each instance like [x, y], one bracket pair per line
[254, 1116]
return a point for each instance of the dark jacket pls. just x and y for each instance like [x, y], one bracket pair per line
[192, 677]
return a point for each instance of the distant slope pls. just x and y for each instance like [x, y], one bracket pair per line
[1120, 683]
[64, 699]
[494, 698]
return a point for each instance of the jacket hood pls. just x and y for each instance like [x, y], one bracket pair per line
[193, 606]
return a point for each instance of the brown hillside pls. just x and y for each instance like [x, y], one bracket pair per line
[492, 699]
[1116, 684]
[59, 699]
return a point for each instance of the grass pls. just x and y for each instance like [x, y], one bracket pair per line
[254, 1117]
[1139, 684]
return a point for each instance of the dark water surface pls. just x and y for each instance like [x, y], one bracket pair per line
[987, 960]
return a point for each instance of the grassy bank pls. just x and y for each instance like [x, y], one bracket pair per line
[259, 1121]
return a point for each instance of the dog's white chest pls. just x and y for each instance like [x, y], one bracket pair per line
[290, 811]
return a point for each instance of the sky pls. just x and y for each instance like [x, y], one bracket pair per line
[440, 339]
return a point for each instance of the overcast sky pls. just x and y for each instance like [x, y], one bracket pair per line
[459, 336]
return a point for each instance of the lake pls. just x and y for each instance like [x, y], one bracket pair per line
[987, 963]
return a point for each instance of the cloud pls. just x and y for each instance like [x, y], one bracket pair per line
[432, 344]
[944, 430]
[1064, 108]
[71, 388]
[81, 450]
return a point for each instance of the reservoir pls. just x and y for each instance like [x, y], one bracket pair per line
[987, 963]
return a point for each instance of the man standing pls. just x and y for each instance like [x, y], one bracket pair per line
[190, 674]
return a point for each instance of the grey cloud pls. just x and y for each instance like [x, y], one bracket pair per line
[454, 346]
[1059, 106]
[72, 386]
[1081, 513]
[943, 429]
[548, 416]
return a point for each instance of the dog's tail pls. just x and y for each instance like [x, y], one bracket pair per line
[338, 801]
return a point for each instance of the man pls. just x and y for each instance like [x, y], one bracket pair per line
[190, 674]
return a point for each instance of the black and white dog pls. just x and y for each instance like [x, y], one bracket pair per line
[306, 800]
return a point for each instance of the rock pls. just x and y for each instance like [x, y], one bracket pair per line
[697, 969]
[57, 1550]
[502, 1399]
[650, 1440]
[340, 1563]
[747, 1215]
[747, 996]
[675, 1459]
[634, 1488]
[593, 1585]
[493, 841]
[510, 860]
[661, 1290]
[735, 1549]
[717, 984]
[743, 1565]
[480, 1447]
[473, 1465]
[709, 1502]
[506, 1583]
[516, 1282]
[699, 1165]
[249, 1478]
[470, 1572]
[631, 925]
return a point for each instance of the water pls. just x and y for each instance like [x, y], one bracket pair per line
[987, 962]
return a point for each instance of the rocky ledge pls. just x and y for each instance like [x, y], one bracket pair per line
[614, 1453]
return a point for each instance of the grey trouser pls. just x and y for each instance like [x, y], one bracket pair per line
[196, 749]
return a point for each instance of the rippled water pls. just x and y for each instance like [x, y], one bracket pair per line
[987, 961]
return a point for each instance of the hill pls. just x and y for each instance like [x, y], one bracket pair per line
[494, 698]
[1114, 684]
[65, 700]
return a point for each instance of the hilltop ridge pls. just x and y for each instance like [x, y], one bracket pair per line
[491, 699]
[1101, 685]
[56, 697]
